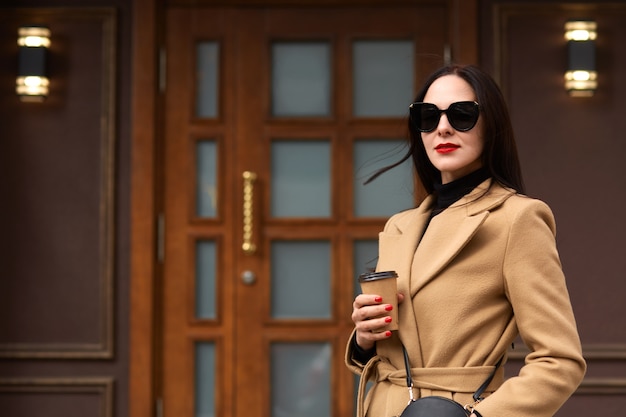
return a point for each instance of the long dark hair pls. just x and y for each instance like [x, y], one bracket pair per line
[499, 155]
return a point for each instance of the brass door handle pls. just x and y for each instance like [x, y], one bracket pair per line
[248, 245]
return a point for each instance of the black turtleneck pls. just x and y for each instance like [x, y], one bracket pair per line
[446, 195]
[450, 193]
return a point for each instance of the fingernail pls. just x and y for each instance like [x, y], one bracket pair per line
[388, 307]
[378, 299]
[388, 333]
[388, 319]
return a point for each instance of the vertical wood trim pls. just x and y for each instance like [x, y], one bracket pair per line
[463, 24]
[142, 361]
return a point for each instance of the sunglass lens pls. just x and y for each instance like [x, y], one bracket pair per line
[463, 115]
[425, 116]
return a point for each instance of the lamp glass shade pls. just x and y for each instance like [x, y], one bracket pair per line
[581, 78]
[580, 30]
[33, 36]
[32, 81]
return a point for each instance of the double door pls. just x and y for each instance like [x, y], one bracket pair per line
[274, 118]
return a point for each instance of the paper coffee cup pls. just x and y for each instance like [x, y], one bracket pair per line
[383, 283]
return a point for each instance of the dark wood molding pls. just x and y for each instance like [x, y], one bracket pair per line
[305, 3]
[103, 387]
[591, 351]
[602, 386]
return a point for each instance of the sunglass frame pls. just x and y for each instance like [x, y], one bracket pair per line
[415, 111]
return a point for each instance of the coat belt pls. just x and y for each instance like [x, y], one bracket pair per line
[451, 379]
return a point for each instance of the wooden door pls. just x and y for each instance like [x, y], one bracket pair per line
[274, 118]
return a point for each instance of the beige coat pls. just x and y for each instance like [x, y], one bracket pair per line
[486, 269]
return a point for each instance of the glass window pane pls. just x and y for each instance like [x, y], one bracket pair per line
[300, 179]
[207, 73]
[205, 379]
[301, 379]
[389, 193]
[365, 255]
[301, 79]
[205, 279]
[206, 178]
[383, 78]
[300, 279]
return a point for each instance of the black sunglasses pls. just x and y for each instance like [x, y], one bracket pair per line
[462, 115]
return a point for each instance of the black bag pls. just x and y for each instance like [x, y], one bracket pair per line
[435, 406]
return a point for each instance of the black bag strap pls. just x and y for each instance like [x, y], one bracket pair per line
[477, 395]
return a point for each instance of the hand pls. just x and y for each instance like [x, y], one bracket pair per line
[369, 330]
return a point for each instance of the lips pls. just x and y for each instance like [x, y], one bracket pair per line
[446, 147]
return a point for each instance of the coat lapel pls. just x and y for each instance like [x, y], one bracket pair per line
[397, 246]
[446, 235]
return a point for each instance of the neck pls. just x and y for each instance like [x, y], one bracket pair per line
[449, 193]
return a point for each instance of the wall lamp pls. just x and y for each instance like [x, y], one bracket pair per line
[581, 78]
[32, 78]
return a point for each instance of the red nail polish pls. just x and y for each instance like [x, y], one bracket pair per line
[378, 299]
[388, 307]
[387, 319]
[388, 333]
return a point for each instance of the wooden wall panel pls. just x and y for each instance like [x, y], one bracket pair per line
[56, 183]
[52, 397]
[572, 151]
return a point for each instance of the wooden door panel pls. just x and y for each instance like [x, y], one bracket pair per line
[244, 335]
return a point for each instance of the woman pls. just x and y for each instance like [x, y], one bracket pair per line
[477, 265]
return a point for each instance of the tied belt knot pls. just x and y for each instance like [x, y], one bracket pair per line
[450, 379]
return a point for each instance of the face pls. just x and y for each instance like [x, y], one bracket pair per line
[454, 153]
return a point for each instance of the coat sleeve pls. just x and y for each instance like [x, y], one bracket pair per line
[535, 286]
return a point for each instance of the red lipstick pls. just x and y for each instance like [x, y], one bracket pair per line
[446, 148]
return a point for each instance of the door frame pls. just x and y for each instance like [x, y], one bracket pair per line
[146, 176]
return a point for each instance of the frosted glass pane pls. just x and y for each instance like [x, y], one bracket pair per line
[205, 379]
[300, 279]
[383, 78]
[205, 279]
[301, 379]
[301, 80]
[300, 179]
[206, 178]
[365, 259]
[389, 193]
[207, 73]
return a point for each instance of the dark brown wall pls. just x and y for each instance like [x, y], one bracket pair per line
[573, 152]
[64, 187]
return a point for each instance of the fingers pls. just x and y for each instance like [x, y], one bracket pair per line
[367, 340]
[370, 315]
[362, 300]
[367, 307]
